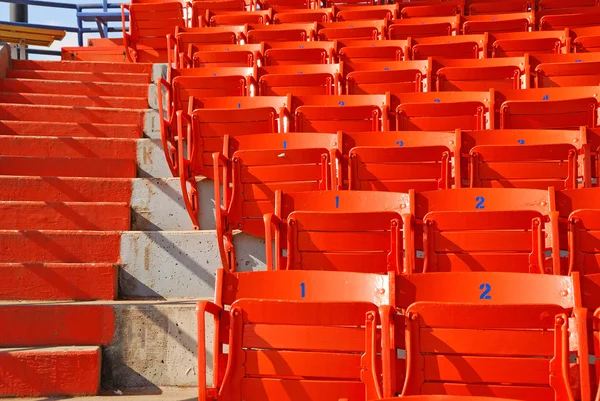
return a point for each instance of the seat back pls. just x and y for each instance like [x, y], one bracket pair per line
[362, 29]
[481, 74]
[350, 12]
[286, 16]
[452, 47]
[580, 226]
[513, 22]
[423, 27]
[199, 9]
[218, 55]
[386, 76]
[342, 230]
[517, 351]
[443, 111]
[366, 51]
[485, 229]
[149, 24]
[430, 9]
[274, 340]
[281, 33]
[516, 44]
[534, 159]
[499, 7]
[303, 79]
[339, 113]
[295, 53]
[397, 161]
[223, 18]
[587, 16]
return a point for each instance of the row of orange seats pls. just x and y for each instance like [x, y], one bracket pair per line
[318, 335]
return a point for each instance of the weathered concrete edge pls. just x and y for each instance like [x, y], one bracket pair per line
[5, 60]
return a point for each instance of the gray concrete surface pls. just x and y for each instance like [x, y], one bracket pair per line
[151, 159]
[159, 71]
[179, 264]
[154, 346]
[157, 205]
[152, 124]
[165, 394]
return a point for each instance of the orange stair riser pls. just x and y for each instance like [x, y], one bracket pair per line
[67, 167]
[70, 114]
[59, 189]
[68, 147]
[60, 247]
[40, 373]
[37, 128]
[82, 67]
[55, 281]
[64, 216]
[72, 100]
[52, 325]
[80, 76]
[73, 88]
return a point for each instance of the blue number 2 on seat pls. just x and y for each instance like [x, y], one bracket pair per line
[480, 200]
[486, 288]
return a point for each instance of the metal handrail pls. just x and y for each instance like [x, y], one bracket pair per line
[101, 27]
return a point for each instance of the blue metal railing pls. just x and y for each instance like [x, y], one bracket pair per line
[102, 14]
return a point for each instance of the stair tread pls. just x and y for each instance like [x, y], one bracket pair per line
[69, 348]
[167, 395]
[65, 65]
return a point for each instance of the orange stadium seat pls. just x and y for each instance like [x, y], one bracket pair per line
[291, 335]
[523, 158]
[219, 55]
[477, 7]
[443, 111]
[584, 17]
[459, 47]
[449, 349]
[547, 108]
[260, 17]
[544, 5]
[397, 161]
[285, 15]
[205, 127]
[362, 29]
[480, 74]
[340, 230]
[352, 12]
[303, 79]
[424, 27]
[514, 22]
[587, 39]
[281, 53]
[563, 70]
[486, 229]
[516, 44]
[340, 113]
[425, 8]
[149, 25]
[373, 50]
[254, 167]
[199, 9]
[387, 76]
[281, 32]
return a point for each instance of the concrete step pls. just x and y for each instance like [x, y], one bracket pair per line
[67, 167]
[50, 371]
[71, 114]
[65, 189]
[36, 128]
[74, 100]
[58, 281]
[152, 394]
[82, 66]
[73, 88]
[80, 76]
[96, 216]
[146, 344]
[49, 246]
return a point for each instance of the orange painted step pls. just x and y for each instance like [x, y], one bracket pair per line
[74, 100]
[34, 246]
[70, 114]
[53, 371]
[128, 68]
[73, 88]
[81, 76]
[64, 189]
[58, 281]
[67, 167]
[111, 54]
[98, 216]
[68, 147]
[36, 128]
[34, 324]
[105, 42]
